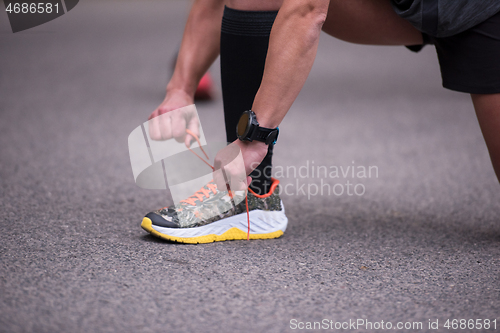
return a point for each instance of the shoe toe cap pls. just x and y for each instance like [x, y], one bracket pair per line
[158, 220]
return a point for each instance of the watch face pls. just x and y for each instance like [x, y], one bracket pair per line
[243, 125]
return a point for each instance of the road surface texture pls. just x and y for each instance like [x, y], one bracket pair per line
[419, 240]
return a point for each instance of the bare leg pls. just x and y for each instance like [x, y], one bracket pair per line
[488, 114]
[369, 22]
[375, 22]
[356, 21]
[255, 4]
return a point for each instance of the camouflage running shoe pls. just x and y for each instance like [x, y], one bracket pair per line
[211, 216]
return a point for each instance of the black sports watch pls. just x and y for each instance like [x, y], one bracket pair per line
[248, 129]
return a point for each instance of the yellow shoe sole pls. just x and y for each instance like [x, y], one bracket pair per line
[231, 234]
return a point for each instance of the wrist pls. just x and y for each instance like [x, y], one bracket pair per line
[181, 86]
[266, 122]
[180, 91]
[254, 145]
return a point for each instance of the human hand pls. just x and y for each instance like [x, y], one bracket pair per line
[234, 163]
[173, 117]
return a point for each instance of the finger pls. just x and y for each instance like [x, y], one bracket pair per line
[150, 124]
[194, 126]
[234, 173]
[165, 126]
[238, 183]
[219, 180]
[229, 167]
[188, 140]
[154, 128]
[178, 126]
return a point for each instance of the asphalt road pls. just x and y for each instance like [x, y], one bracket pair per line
[421, 243]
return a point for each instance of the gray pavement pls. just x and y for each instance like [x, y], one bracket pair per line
[422, 242]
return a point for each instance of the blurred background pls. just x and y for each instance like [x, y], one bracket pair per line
[422, 242]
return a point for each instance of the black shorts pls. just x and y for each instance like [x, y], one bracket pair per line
[470, 60]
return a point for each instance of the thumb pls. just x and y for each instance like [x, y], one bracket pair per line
[189, 139]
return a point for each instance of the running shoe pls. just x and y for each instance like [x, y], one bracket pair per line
[210, 215]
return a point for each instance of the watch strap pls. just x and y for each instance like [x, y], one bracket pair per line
[267, 135]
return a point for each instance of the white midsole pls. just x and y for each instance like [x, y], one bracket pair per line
[261, 222]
